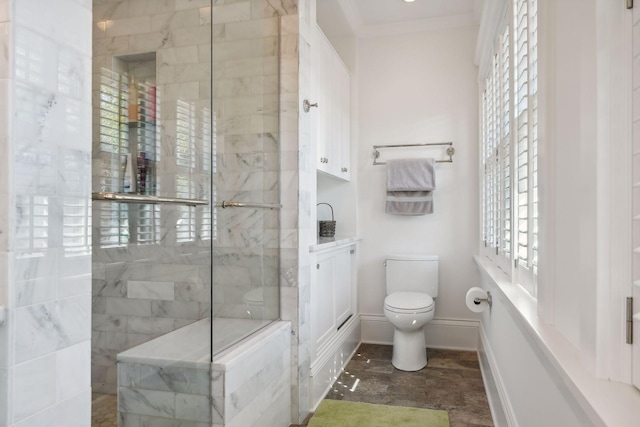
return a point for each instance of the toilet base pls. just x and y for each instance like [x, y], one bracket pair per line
[409, 350]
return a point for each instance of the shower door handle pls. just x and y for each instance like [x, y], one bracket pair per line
[233, 204]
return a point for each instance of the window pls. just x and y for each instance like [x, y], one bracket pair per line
[510, 148]
[496, 136]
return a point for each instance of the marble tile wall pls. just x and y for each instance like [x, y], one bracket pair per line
[45, 243]
[297, 183]
[6, 45]
[251, 384]
[163, 395]
[151, 264]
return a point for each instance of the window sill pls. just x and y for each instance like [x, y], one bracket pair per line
[604, 402]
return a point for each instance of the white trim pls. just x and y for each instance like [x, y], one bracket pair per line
[615, 209]
[362, 30]
[604, 402]
[492, 21]
[331, 360]
[451, 334]
[500, 405]
[326, 351]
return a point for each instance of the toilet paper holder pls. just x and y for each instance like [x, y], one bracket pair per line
[478, 301]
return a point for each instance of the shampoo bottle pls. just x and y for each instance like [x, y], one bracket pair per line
[129, 185]
[134, 108]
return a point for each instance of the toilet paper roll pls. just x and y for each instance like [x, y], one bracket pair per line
[474, 293]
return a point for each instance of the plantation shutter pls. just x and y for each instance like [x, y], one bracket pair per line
[505, 147]
[526, 120]
[489, 150]
[496, 136]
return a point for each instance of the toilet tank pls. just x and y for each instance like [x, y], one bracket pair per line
[412, 273]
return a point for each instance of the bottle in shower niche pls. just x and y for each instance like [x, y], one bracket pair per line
[134, 101]
[143, 173]
[129, 181]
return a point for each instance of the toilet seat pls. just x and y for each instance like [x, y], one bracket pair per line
[254, 296]
[408, 302]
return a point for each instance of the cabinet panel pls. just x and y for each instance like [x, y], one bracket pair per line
[342, 292]
[322, 299]
[332, 294]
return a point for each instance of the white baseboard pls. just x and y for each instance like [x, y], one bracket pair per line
[452, 334]
[501, 409]
[331, 358]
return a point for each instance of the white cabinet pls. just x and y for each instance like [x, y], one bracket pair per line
[332, 293]
[342, 285]
[332, 88]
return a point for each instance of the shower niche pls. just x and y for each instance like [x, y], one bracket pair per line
[142, 112]
[129, 123]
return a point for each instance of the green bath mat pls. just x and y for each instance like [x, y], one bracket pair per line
[339, 413]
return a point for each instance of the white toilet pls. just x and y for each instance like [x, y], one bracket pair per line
[412, 283]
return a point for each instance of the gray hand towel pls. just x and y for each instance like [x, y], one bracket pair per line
[410, 183]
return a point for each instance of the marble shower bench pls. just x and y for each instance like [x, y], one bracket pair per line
[170, 381]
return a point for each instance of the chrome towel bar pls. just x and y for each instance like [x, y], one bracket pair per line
[233, 204]
[450, 151]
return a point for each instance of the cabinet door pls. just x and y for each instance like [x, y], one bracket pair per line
[323, 323]
[343, 291]
[345, 122]
[324, 89]
[333, 88]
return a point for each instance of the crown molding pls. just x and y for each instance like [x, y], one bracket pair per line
[362, 30]
[492, 19]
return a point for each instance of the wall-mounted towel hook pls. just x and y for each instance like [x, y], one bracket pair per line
[306, 105]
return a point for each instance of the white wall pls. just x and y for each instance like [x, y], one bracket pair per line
[412, 89]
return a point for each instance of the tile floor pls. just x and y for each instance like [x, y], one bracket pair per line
[104, 410]
[451, 381]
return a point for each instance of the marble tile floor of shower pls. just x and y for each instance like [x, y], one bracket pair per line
[104, 410]
[451, 381]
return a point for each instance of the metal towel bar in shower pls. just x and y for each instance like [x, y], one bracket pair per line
[142, 198]
[233, 204]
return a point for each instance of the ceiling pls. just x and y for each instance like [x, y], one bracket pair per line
[371, 18]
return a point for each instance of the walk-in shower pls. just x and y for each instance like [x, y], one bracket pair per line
[186, 216]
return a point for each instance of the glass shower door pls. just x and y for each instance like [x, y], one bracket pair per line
[246, 81]
[152, 213]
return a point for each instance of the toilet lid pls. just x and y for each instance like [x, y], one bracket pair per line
[257, 295]
[412, 301]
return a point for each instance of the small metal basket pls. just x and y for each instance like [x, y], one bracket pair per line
[327, 228]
